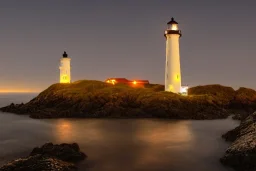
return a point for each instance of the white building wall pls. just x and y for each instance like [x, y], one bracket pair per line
[65, 70]
[172, 71]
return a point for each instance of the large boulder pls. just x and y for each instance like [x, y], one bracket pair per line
[65, 152]
[241, 155]
[49, 157]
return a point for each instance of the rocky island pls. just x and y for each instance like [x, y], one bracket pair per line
[96, 99]
[49, 157]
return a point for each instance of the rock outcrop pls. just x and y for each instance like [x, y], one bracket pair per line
[241, 102]
[38, 162]
[241, 155]
[65, 152]
[49, 157]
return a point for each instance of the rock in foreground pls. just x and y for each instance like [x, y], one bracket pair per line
[38, 163]
[241, 155]
[49, 157]
[65, 152]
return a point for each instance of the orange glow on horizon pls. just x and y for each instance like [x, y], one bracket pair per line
[134, 82]
[18, 91]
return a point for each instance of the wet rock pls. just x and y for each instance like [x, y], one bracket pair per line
[241, 155]
[65, 152]
[49, 157]
[38, 163]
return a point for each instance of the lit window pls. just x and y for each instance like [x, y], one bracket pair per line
[173, 27]
[184, 90]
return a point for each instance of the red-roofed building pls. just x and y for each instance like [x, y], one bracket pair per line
[126, 81]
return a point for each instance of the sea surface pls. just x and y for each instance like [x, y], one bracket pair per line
[119, 144]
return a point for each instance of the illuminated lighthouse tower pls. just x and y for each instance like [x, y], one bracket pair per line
[172, 68]
[65, 73]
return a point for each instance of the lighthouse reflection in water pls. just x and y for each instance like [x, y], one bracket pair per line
[136, 144]
[146, 144]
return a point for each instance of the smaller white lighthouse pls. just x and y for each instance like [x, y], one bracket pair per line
[65, 69]
[172, 65]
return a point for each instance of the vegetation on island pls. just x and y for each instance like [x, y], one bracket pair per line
[98, 99]
[241, 102]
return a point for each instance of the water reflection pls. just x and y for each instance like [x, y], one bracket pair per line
[160, 139]
[113, 145]
[121, 144]
[148, 145]
[73, 130]
[63, 131]
[173, 132]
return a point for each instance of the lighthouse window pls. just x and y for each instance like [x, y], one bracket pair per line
[167, 63]
[177, 77]
[167, 76]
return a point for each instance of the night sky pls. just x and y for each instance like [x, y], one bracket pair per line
[125, 38]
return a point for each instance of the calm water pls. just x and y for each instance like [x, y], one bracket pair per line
[114, 145]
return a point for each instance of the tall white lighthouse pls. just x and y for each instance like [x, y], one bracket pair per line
[65, 69]
[172, 66]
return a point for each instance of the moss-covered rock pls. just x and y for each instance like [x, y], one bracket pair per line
[241, 102]
[221, 95]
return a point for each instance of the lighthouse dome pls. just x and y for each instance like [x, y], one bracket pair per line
[172, 21]
[65, 55]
